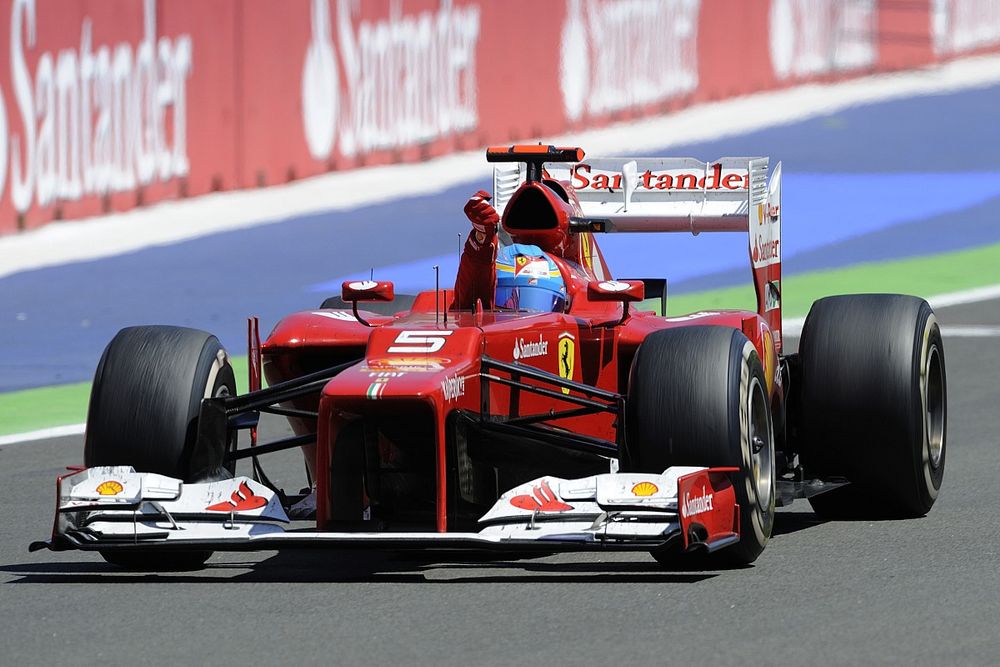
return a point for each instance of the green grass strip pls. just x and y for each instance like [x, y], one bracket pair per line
[921, 276]
[33, 409]
[44, 407]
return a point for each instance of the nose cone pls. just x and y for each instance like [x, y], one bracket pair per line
[429, 343]
[414, 361]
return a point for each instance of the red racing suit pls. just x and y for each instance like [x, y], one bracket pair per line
[477, 276]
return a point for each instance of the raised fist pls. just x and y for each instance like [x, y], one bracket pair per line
[483, 216]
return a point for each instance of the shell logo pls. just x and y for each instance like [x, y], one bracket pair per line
[110, 488]
[643, 489]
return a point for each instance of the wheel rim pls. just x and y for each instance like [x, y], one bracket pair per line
[934, 410]
[761, 450]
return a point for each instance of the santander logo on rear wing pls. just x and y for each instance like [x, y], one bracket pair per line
[661, 194]
[585, 176]
[731, 194]
[668, 194]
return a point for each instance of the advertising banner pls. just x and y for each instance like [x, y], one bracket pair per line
[110, 104]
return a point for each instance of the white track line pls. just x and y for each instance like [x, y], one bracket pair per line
[969, 331]
[42, 434]
[791, 327]
[965, 296]
[170, 222]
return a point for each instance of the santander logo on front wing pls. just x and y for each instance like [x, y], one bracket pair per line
[694, 505]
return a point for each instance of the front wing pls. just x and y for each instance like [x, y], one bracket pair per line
[117, 508]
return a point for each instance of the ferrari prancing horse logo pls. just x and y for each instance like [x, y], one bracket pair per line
[567, 356]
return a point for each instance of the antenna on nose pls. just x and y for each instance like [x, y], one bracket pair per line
[437, 292]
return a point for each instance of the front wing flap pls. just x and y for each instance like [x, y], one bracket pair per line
[118, 508]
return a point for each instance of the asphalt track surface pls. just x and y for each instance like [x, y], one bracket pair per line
[916, 592]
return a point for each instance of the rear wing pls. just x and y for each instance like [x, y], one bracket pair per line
[731, 194]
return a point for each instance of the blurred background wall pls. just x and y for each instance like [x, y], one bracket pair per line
[110, 104]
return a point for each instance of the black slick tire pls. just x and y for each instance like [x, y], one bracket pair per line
[697, 396]
[144, 407]
[874, 404]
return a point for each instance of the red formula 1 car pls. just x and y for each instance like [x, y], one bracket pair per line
[601, 425]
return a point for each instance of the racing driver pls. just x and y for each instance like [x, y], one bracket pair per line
[521, 277]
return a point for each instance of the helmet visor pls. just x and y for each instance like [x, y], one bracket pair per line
[530, 298]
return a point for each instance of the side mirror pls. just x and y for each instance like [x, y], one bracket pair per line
[656, 288]
[616, 290]
[625, 291]
[366, 290]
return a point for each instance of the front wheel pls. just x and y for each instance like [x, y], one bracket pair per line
[698, 396]
[144, 407]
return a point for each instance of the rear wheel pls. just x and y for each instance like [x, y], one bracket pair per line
[874, 404]
[697, 396]
[144, 407]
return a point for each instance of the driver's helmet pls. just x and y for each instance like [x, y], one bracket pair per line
[527, 279]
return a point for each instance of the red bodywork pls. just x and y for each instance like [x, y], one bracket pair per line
[420, 367]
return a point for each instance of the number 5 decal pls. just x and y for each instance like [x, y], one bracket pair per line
[419, 341]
